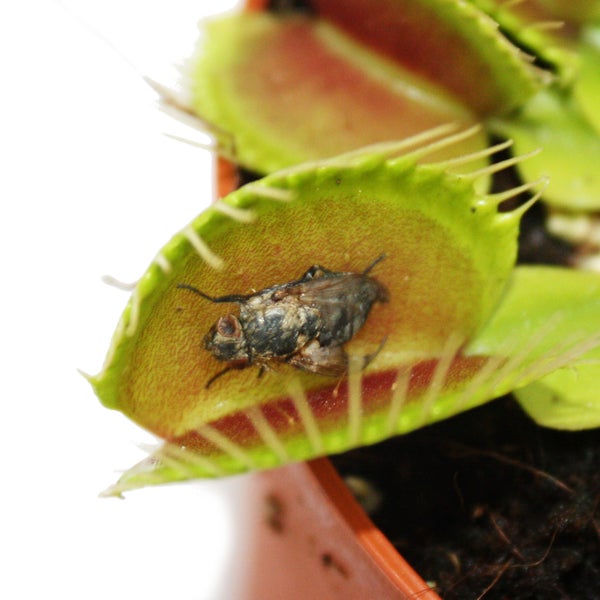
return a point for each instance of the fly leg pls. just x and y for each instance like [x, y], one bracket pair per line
[368, 359]
[232, 366]
[238, 298]
[317, 271]
[216, 376]
[374, 263]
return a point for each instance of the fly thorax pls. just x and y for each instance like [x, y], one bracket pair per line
[276, 329]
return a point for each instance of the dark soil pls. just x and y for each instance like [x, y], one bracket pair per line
[490, 505]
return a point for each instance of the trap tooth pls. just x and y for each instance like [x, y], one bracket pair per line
[227, 447]
[177, 459]
[491, 202]
[237, 214]
[310, 427]
[398, 400]
[445, 142]
[520, 210]
[210, 147]
[202, 248]
[163, 263]
[512, 193]
[355, 402]
[475, 156]
[438, 378]
[271, 193]
[267, 434]
[503, 165]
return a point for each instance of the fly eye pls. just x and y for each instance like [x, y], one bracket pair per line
[229, 326]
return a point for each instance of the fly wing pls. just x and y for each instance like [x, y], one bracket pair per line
[333, 288]
[343, 301]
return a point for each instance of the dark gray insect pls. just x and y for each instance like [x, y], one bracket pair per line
[304, 323]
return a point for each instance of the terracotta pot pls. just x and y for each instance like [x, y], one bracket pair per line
[309, 538]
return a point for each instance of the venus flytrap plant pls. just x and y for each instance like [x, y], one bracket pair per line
[462, 326]
[563, 120]
[279, 89]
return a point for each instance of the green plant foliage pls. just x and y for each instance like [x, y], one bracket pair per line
[567, 398]
[548, 317]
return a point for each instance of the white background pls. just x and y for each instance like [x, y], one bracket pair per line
[89, 186]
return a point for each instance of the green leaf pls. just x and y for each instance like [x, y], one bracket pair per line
[548, 318]
[449, 254]
[568, 398]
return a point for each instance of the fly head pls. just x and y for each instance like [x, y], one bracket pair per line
[226, 340]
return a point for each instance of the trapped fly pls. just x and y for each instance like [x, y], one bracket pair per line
[304, 323]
